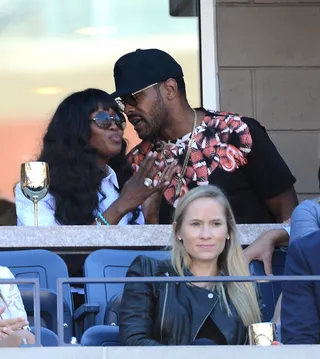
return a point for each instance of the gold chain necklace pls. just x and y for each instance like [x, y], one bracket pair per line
[186, 160]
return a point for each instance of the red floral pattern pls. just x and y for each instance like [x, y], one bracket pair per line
[211, 149]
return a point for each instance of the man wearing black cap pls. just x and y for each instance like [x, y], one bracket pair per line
[220, 148]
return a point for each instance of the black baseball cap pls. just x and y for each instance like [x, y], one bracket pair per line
[141, 68]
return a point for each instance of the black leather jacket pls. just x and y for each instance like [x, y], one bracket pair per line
[171, 313]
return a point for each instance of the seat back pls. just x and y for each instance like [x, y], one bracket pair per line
[105, 263]
[101, 336]
[48, 338]
[48, 311]
[270, 292]
[38, 263]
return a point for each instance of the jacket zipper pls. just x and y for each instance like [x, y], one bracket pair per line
[164, 307]
[206, 317]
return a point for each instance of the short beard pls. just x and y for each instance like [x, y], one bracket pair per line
[158, 118]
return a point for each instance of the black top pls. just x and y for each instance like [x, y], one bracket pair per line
[209, 330]
[265, 176]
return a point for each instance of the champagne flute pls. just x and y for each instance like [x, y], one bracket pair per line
[35, 182]
[263, 334]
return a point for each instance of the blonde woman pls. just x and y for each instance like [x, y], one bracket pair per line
[205, 243]
[13, 317]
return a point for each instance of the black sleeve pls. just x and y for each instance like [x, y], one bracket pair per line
[137, 308]
[266, 170]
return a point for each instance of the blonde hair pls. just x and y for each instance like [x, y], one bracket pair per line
[231, 261]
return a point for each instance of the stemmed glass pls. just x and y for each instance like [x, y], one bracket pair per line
[262, 333]
[35, 182]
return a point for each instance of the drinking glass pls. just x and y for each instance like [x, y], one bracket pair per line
[35, 182]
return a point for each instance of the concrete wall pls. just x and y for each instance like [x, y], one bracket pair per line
[173, 352]
[269, 68]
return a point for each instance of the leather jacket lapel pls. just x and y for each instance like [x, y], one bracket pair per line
[230, 326]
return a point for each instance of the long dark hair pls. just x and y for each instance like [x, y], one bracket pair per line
[75, 175]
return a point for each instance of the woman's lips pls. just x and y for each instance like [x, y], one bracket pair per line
[206, 246]
[115, 138]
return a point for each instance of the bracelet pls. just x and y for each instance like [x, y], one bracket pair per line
[104, 221]
[24, 341]
[287, 229]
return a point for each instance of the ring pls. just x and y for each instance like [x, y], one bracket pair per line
[147, 182]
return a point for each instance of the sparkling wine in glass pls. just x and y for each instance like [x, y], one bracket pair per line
[263, 334]
[35, 182]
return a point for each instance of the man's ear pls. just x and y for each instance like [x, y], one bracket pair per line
[171, 89]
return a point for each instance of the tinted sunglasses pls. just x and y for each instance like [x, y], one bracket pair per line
[131, 99]
[104, 120]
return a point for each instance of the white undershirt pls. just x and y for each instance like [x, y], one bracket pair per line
[46, 207]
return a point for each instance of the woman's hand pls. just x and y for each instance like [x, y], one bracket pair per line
[136, 190]
[10, 342]
[151, 206]
[24, 334]
[9, 326]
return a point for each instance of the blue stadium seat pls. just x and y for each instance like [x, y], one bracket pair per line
[270, 292]
[101, 264]
[48, 338]
[101, 336]
[44, 265]
[48, 311]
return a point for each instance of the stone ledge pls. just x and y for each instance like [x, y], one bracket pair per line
[168, 352]
[113, 236]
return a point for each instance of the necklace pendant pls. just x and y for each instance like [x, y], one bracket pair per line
[178, 189]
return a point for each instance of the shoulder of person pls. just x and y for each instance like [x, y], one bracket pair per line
[150, 266]
[228, 117]
[253, 124]
[315, 201]
[5, 272]
[308, 205]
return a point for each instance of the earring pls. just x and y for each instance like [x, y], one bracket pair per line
[180, 239]
[228, 238]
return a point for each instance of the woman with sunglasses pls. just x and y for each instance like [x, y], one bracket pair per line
[90, 179]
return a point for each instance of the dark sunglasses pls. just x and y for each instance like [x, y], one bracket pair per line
[131, 99]
[104, 120]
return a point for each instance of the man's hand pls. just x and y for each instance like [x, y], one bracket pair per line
[263, 247]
